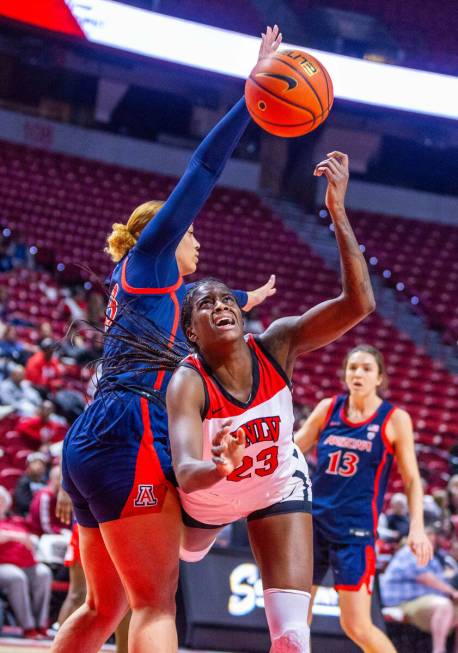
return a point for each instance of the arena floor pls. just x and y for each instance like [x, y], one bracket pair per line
[15, 645]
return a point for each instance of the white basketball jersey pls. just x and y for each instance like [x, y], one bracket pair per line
[271, 457]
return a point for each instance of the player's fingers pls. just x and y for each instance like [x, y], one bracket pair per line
[218, 450]
[219, 437]
[339, 156]
[226, 424]
[224, 430]
[66, 516]
[240, 436]
[323, 164]
[269, 284]
[323, 170]
[335, 166]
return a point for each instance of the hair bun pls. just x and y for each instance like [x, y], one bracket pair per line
[120, 241]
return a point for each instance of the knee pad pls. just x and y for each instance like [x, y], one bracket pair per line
[292, 641]
[195, 556]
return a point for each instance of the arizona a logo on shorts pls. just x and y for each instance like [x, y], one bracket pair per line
[145, 496]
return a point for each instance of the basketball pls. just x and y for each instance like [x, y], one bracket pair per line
[289, 93]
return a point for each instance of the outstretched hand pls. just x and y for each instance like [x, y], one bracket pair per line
[259, 295]
[228, 448]
[335, 169]
[270, 42]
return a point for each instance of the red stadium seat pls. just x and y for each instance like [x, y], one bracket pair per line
[9, 477]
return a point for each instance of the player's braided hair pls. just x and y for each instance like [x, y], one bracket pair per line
[143, 346]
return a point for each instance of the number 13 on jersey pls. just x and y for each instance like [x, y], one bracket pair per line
[343, 463]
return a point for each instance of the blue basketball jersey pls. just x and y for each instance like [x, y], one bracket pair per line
[354, 461]
[146, 287]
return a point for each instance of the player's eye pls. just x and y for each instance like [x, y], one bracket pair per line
[228, 299]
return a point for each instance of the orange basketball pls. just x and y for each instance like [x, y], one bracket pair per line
[289, 93]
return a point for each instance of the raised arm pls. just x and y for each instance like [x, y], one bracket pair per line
[307, 435]
[291, 336]
[163, 234]
[400, 425]
[185, 404]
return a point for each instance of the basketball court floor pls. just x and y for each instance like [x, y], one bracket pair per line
[14, 645]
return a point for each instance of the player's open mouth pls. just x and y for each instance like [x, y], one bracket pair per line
[225, 322]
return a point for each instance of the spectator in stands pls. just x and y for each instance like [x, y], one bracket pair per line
[18, 392]
[44, 331]
[453, 455]
[425, 597]
[25, 582]
[73, 347]
[44, 370]
[398, 515]
[18, 252]
[34, 479]
[432, 510]
[10, 348]
[452, 490]
[42, 516]
[43, 428]
[3, 303]
[440, 497]
[448, 557]
[96, 308]
[74, 304]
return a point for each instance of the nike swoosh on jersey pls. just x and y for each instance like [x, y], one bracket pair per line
[292, 83]
[217, 410]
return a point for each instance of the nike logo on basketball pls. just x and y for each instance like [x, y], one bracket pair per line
[292, 83]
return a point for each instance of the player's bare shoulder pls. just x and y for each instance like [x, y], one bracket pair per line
[399, 426]
[185, 383]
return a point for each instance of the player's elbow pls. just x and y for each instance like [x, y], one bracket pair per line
[363, 305]
[358, 307]
[370, 302]
[184, 479]
[368, 307]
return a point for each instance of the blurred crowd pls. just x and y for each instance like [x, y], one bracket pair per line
[45, 383]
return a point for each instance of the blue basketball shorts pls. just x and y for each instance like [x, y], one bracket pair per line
[126, 471]
[352, 564]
